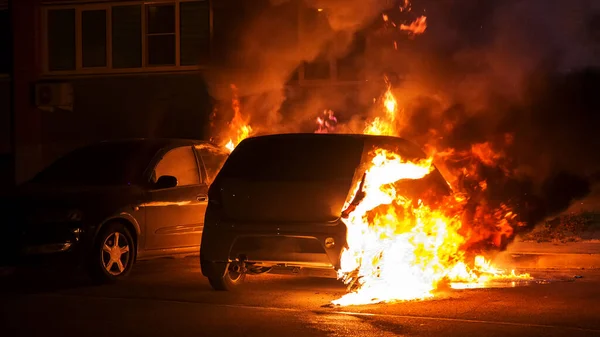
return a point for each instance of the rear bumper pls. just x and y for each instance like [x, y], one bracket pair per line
[288, 245]
[49, 248]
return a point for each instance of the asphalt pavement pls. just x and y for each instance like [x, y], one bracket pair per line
[171, 298]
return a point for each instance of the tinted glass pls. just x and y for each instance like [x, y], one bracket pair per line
[161, 49]
[297, 158]
[127, 36]
[61, 39]
[102, 164]
[93, 38]
[194, 32]
[181, 164]
[161, 19]
[161, 34]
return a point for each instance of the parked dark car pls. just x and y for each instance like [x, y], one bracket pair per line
[278, 201]
[107, 205]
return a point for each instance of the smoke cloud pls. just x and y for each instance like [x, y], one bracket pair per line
[520, 75]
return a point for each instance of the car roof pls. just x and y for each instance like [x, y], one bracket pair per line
[161, 142]
[333, 135]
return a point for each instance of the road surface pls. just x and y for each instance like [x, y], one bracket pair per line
[171, 298]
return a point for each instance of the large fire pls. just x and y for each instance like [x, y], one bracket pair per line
[399, 248]
[403, 249]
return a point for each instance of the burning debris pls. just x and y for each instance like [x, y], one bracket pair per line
[327, 123]
[416, 27]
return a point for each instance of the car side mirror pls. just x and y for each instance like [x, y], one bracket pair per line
[166, 182]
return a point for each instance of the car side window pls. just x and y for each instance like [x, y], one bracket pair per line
[180, 163]
[212, 164]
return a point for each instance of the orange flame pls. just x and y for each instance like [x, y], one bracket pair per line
[399, 249]
[416, 27]
[239, 129]
[385, 125]
[404, 249]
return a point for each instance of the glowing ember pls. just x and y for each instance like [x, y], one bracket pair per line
[401, 249]
[239, 129]
[416, 27]
[406, 6]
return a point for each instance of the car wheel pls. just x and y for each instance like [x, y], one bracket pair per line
[113, 254]
[233, 278]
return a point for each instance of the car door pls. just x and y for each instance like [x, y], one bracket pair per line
[175, 215]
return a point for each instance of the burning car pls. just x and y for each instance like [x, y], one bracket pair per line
[106, 205]
[284, 200]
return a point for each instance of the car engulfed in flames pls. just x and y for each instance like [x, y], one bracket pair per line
[404, 239]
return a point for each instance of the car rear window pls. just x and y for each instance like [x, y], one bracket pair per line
[294, 158]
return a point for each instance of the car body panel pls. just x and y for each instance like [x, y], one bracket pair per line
[38, 214]
[175, 217]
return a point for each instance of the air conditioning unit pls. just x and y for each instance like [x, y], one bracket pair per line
[49, 96]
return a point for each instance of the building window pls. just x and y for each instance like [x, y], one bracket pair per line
[93, 38]
[318, 69]
[326, 66]
[132, 37]
[194, 32]
[126, 41]
[160, 34]
[61, 39]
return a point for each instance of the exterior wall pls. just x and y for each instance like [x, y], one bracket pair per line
[170, 103]
[26, 71]
[130, 106]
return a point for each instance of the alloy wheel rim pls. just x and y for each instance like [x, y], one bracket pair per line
[233, 272]
[115, 253]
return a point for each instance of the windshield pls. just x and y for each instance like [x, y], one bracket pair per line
[115, 163]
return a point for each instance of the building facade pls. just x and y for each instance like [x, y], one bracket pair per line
[86, 71]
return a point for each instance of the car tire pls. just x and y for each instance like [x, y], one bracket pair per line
[113, 254]
[231, 280]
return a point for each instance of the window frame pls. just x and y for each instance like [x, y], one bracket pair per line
[176, 33]
[108, 69]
